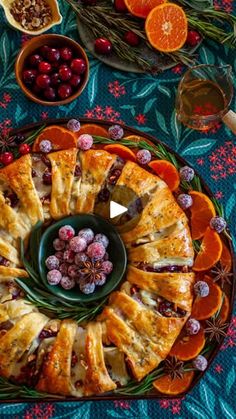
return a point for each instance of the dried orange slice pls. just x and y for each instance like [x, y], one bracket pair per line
[60, 137]
[141, 8]
[226, 258]
[121, 151]
[176, 386]
[167, 27]
[210, 251]
[224, 311]
[202, 211]
[93, 129]
[188, 346]
[167, 172]
[205, 307]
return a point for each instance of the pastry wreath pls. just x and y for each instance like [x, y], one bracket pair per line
[132, 335]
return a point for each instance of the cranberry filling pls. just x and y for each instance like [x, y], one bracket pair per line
[4, 261]
[111, 181]
[114, 176]
[33, 173]
[46, 199]
[78, 383]
[104, 195]
[28, 374]
[11, 199]
[171, 268]
[77, 172]
[47, 177]
[74, 359]
[46, 333]
[46, 161]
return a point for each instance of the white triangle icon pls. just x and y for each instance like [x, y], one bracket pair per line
[116, 209]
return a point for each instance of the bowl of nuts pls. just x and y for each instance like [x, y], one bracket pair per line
[52, 69]
[32, 16]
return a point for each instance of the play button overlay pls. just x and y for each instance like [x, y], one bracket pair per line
[116, 209]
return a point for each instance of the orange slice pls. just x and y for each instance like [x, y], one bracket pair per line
[141, 8]
[224, 311]
[226, 258]
[167, 172]
[210, 251]
[205, 307]
[202, 211]
[121, 151]
[188, 346]
[93, 129]
[176, 386]
[60, 137]
[167, 27]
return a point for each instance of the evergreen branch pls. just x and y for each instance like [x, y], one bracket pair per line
[10, 391]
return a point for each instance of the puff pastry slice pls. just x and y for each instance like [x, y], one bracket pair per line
[12, 310]
[174, 287]
[97, 379]
[56, 370]
[9, 252]
[63, 167]
[18, 340]
[95, 165]
[11, 221]
[7, 271]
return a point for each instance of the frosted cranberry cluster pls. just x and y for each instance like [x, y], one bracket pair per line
[79, 260]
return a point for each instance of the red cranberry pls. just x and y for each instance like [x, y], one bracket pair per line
[131, 38]
[66, 53]
[45, 67]
[43, 81]
[44, 51]
[64, 91]
[47, 178]
[29, 76]
[193, 38]
[120, 6]
[55, 79]
[103, 46]
[50, 94]
[13, 199]
[75, 80]
[53, 55]
[65, 72]
[24, 149]
[45, 160]
[44, 334]
[78, 66]
[7, 158]
[35, 59]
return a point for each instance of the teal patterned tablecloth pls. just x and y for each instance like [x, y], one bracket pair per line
[145, 102]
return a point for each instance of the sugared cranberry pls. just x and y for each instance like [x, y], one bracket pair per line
[58, 244]
[64, 91]
[50, 94]
[101, 238]
[6, 158]
[65, 72]
[73, 271]
[75, 80]
[78, 66]
[55, 79]
[96, 251]
[29, 76]
[43, 81]
[54, 277]
[78, 244]
[24, 149]
[120, 6]
[66, 232]
[67, 283]
[35, 59]
[47, 178]
[45, 146]
[85, 142]
[66, 53]
[53, 55]
[144, 156]
[87, 234]
[103, 46]
[52, 262]
[107, 267]
[63, 268]
[45, 67]
[132, 39]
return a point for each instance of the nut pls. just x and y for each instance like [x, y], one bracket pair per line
[31, 14]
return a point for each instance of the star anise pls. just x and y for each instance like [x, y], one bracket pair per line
[216, 329]
[91, 271]
[6, 142]
[221, 274]
[173, 367]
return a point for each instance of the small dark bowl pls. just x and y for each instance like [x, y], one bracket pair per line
[53, 41]
[116, 250]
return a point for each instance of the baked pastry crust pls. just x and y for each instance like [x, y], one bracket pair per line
[9, 252]
[8, 272]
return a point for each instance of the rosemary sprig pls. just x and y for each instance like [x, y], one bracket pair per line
[28, 140]
[196, 245]
[10, 391]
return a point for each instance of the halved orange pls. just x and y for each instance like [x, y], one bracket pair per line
[121, 151]
[205, 307]
[210, 251]
[93, 129]
[202, 211]
[226, 258]
[167, 27]
[60, 137]
[167, 172]
[176, 386]
[141, 8]
[224, 311]
[188, 346]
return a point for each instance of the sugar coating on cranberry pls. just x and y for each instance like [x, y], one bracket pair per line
[107, 267]
[52, 262]
[86, 287]
[186, 173]
[85, 142]
[101, 280]
[116, 132]
[72, 271]
[54, 277]
[192, 326]
[87, 234]
[58, 244]
[201, 288]
[101, 238]
[185, 201]
[45, 146]
[96, 251]
[80, 258]
[66, 232]
[63, 268]
[73, 125]
[69, 256]
[143, 157]
[78, 244]
[67, 282]
[200, 363]
[218, 224]
[59, 255]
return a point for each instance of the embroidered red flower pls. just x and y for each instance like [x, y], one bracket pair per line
[200, 162]
[230, 340]
[178, 69]
[121, 404]
[218, 368]
[44, 115]
[108, 113]
[226, 5]
[223, 161]
[141, 119]
[116, 89]
[219, 194]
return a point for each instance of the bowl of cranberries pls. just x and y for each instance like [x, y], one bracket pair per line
[52, 69]
[81, 258]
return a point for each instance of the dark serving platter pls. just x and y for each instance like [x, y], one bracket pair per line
[230, 290]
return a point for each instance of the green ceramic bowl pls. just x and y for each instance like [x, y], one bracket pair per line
[116, 250]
